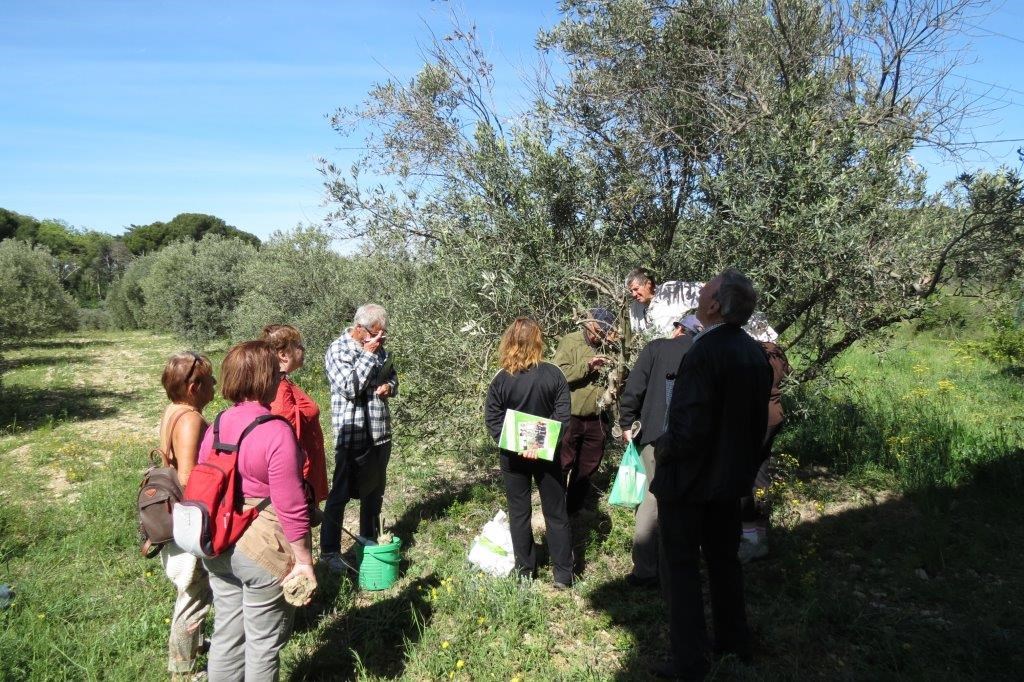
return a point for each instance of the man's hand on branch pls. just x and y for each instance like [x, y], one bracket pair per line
[383, 391]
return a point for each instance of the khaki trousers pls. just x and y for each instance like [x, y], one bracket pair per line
[251, 623]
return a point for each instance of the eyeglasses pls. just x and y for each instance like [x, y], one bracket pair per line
[195, 361]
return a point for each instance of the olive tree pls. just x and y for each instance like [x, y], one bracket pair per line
[126, 302]
[298, 278]
[777, 136]
[32, 300]
[192, 288]
[483, 220]
[774, 135]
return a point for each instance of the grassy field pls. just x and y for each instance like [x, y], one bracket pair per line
[897, 554]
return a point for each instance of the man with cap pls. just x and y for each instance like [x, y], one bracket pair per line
[645, 399]
[579, 358]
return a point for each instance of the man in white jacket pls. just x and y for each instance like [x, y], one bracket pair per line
[655, 307]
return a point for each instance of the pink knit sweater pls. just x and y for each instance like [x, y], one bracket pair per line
[270, 464]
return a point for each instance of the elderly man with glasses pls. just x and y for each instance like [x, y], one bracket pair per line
[362, 379]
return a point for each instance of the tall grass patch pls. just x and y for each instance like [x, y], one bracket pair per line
[928, 412]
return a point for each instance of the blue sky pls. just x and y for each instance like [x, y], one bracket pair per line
[116, 113]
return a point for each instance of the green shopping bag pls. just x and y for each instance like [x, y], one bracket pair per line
[631, 480]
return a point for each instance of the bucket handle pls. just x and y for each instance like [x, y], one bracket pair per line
[381, 559]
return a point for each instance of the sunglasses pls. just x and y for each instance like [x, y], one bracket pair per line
[195, 361]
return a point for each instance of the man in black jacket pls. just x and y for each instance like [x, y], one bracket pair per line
[705, 463]
[645, 400]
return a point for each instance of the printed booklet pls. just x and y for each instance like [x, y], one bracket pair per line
[523, 431]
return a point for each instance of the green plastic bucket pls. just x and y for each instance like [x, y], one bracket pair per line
[378, 565]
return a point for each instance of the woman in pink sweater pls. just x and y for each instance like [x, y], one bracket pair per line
[252, 619]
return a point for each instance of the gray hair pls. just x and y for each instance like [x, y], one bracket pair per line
[640, 276]
[370, 315]
[736, 297]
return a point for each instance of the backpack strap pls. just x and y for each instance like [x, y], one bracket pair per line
[227, 447]
[262, 419]
[218, 446]
[169, 456]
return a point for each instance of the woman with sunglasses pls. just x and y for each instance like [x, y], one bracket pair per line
[188, 381]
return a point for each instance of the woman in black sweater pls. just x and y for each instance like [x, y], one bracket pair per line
[526, 384]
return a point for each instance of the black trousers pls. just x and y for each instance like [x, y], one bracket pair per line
[518, 474]
[687, 529]
[364, 482]
[581, 454]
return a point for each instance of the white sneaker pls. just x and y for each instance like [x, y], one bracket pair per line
[334, 562]
[750, 550]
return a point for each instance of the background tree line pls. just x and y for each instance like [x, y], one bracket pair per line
[87, 262]
[54, 277]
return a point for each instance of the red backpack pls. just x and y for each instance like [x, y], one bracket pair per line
[209, 519]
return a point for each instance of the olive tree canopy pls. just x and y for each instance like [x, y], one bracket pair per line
[775, 136]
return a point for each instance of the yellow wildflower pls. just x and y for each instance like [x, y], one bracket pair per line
[445, 644]
[460, 664]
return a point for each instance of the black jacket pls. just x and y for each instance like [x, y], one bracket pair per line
[541, 391]
[643, 397]
[717, 420]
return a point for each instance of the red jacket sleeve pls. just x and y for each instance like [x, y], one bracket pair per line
[312, 440]
[284, 404]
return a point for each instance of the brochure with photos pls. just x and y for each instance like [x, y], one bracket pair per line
[523, 431]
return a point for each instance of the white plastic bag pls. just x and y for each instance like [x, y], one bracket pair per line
[492, 549]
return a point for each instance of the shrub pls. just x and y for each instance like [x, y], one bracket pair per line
[192, 287]
[298, 279]
[448, 313]
[125, 301]
[916, 438]
[947, 315]
[32, 301]
[1006, 344]
[93, 319]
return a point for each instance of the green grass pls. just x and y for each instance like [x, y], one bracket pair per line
[897, 552]
[921, 412]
